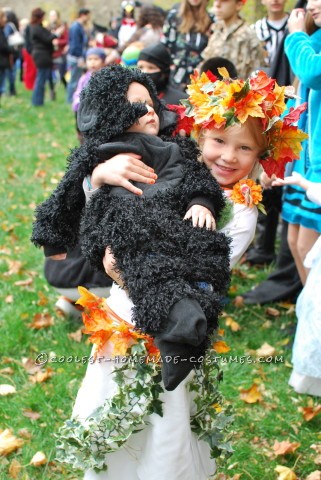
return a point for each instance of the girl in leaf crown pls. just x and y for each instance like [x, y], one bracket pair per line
[238, 126]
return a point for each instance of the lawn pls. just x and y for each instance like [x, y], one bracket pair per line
[33, 145]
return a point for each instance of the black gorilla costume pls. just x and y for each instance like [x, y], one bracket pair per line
[175, 274]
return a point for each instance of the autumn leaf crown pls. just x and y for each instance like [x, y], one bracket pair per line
[214, 103]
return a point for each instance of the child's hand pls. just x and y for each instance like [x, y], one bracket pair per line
[122, 168]
[296, 22]
[294, 179]
[59, 256]
[201, 216]
[266, 181]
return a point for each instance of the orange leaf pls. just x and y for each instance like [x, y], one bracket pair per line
[42, 376]
[251, 395]
[9, 442]
[221, 347]
[41, 320]
[285, 447]
[272, 312]
[310, 412]
[14, 469]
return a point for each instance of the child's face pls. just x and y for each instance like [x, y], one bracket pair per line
[274, 6]
[314, 7]
[227, 10]
[230, 154]
[149, 123]
[94, 63]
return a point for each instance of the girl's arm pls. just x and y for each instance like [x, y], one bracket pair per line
[304, 60]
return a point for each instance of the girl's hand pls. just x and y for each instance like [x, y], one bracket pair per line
[296, 22]
[109, 266]
[59, 256]
[294, 179]
[122, 168]
[201, 216]
[266, 181]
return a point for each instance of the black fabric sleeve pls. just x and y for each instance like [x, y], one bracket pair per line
[204, 201]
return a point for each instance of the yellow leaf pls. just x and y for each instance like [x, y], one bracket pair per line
[221, 347]
[265, 350]
[6, 389]
[285, 473]
[223, 72]
[251, 395]
[9, 442]
[38, 459]
[234, 326]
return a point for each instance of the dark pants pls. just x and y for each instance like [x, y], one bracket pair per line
[38, 95]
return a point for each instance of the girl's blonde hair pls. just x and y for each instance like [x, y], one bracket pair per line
[256, 129]
[194, 19]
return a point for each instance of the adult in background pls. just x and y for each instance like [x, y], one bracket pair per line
[186, 33]
[10, 28]
[78, 42]
[5, 52]
[155, 61]
[149, 26]
[42, 46]
[59, 28]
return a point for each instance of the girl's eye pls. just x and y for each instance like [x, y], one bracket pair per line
[246, 148]
[218, 140]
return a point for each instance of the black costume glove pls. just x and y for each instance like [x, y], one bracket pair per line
[178, 360]
[178, 344]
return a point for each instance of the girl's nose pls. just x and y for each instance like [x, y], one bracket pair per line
[228, 154]
[150, 109]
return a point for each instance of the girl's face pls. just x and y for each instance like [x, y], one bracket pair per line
[194, 3]
[230, 154]
[149, 123]
[314, 7]
[94, 63]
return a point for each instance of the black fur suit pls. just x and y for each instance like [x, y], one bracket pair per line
[164, 261]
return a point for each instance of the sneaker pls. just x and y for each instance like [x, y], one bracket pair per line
[259, 257]
[69, 308]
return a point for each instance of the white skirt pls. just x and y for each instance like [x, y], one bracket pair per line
[166, 449]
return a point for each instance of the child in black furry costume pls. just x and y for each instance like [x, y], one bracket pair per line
[175, 274]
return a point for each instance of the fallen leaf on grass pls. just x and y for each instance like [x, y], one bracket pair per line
[23, 283]
[251, 395]
[272, 312]
[285, 473]
[238, 301]
[265, 351]
[30, 366]
[221, 347]
[285, 447]
[24, 433]
[41, 320]
[14, 469]
[234, 326]
[316, 447]
[42, 376]
[14, 267]
[31, 414]
[9, 442]
[76, 336]
[317, 460]
[316, 475]
[7, 371]
[7, 390]
[310, 412]
[38, 459]
[9, 299]
[43, 300]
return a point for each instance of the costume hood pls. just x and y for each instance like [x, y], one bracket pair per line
[105, 111]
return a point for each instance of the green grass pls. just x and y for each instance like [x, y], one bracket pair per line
[33, 146]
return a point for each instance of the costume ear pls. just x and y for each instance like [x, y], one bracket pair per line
[86, 118]
[167, 119]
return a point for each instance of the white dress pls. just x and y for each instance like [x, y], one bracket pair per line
[306, 355]
[166, 449]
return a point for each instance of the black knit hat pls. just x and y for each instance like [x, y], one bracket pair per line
[105, 111]
[157, 54]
